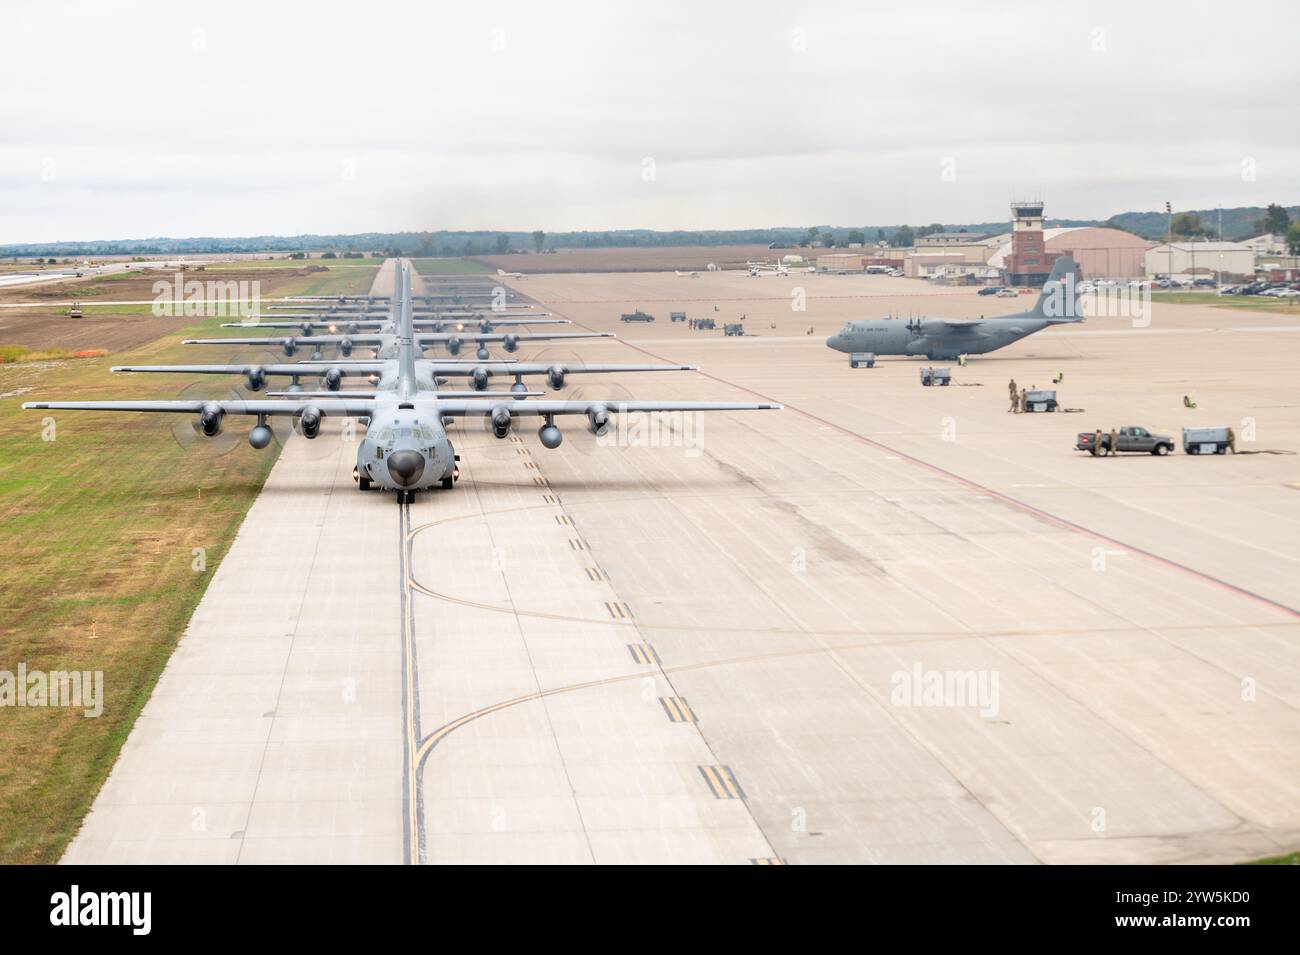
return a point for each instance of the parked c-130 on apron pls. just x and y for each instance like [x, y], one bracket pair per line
[950, 338]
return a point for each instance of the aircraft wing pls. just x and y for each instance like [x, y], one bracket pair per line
[308, 341]
[497, 367]
[260, 318]
[489, 320]
[475, 407]
[316, 368]
[335, 406]
[609, 369]
[311, 323]
[361, 393]
[468, 336]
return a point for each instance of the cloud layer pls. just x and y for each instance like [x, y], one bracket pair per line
[242, 118]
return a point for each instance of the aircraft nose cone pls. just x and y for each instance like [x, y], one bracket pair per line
[833, 341]
[406, 467]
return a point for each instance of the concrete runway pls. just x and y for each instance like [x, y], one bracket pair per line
[701, 651]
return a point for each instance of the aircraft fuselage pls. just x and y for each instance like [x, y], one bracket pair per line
[930, 339]
[406, 448]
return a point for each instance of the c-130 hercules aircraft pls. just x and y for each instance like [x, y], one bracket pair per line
[950, 338]
[406, 447]
[381, 371]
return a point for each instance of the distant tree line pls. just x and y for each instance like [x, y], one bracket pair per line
[1237, 223]
[1233, 224]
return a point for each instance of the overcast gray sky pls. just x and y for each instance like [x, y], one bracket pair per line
[238, 118]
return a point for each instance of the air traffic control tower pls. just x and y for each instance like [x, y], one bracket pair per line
[1029, 263]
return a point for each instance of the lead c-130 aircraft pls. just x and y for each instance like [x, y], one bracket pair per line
[950, 338]
[406, 447]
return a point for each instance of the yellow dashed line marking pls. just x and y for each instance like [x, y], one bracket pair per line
[767, 860]
[643, 653]
[618, 610]
[575, 544]
[540, 481]
[530, 465]
[595, 573]
[563, 519]
[523, 451]
[677, 709]
[551, 499]
[722, 783]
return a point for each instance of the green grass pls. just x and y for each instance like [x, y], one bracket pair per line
[16, 353]
[119, 276]
[89, 309]
[270, 264]
[1291, 858]
[98, 529]
[1248, 303]
[450, 267]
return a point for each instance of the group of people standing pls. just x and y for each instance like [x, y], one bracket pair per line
[1097, 446]
[1019, 399]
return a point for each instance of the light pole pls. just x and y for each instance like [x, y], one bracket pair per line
[1169, 238]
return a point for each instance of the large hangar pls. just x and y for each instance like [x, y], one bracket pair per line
[1101, 252]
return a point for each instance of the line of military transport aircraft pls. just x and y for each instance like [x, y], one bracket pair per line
[404, 407]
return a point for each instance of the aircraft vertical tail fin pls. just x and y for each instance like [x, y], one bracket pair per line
[406, 352]
[1059, 301]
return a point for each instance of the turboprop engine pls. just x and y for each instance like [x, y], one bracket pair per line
[309, 420]
[598, 419]
[210, 418]
[501, 419]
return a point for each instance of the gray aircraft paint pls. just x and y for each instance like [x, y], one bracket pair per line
[948, 338]
[406, 447]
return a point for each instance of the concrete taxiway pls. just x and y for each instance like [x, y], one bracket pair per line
[717, 641]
